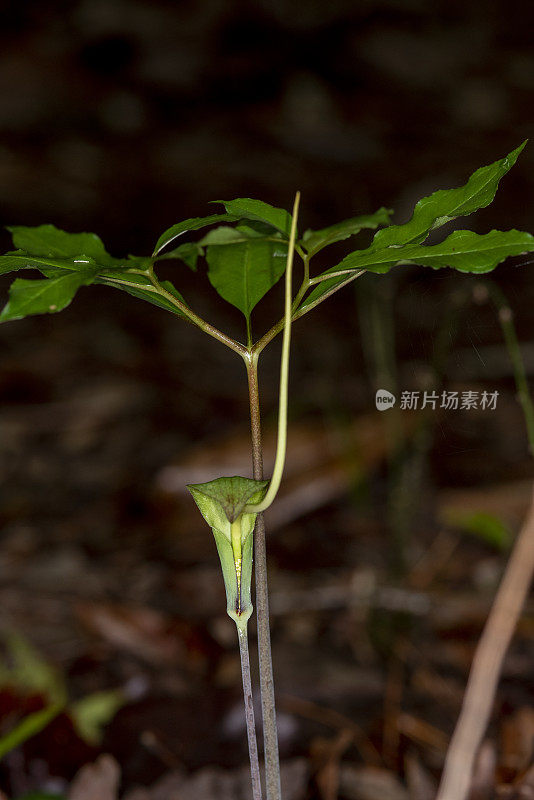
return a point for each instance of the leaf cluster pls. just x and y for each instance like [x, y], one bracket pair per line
[245, 250]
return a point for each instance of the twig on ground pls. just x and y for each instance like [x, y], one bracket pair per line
[486, 667]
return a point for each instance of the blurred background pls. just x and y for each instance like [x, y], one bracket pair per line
[124, 116]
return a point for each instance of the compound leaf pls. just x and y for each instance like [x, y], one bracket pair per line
[48, 295]
[313, 241]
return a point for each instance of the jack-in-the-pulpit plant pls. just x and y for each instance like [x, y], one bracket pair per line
[247, 250]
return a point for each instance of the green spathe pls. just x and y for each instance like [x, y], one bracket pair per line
[221, 503]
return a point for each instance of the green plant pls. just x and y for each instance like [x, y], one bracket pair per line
[26, 672]
[246, 255]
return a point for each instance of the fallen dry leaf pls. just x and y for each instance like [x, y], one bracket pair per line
[141, 631]
[517, 741]
[98, 781]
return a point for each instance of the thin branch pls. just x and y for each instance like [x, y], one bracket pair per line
[327, 276]
[207, 327]
[300, 312]
[506, 320]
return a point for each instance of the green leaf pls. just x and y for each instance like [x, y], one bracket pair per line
[192, 224]
[139, 286]
[18, 259]
[92, 713]
[447, 204]
[47, 240]
[225, 234]
[50, 249]
[464, 251]
[30, 726]
[29, 671]
[222, 235]
[44, 296]
[188, 252]
[488, 527]
[314, 241]
[257, 210]
[243, 273]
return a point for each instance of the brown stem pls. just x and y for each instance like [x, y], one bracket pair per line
[270, 735]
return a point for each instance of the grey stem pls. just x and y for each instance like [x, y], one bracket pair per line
[249, 714]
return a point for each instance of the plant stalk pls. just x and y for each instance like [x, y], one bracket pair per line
[506, 320]
[270, 734]
[249, 714]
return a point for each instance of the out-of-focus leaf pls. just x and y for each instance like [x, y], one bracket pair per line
[447, 204]
[42, 796]
[313, 241]
[487, 527]
[243, 273]
[192, 224]
[45, 296]
[27, 669]
[93, 712]
[28, 727]
[247, 208]
[464, 251]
